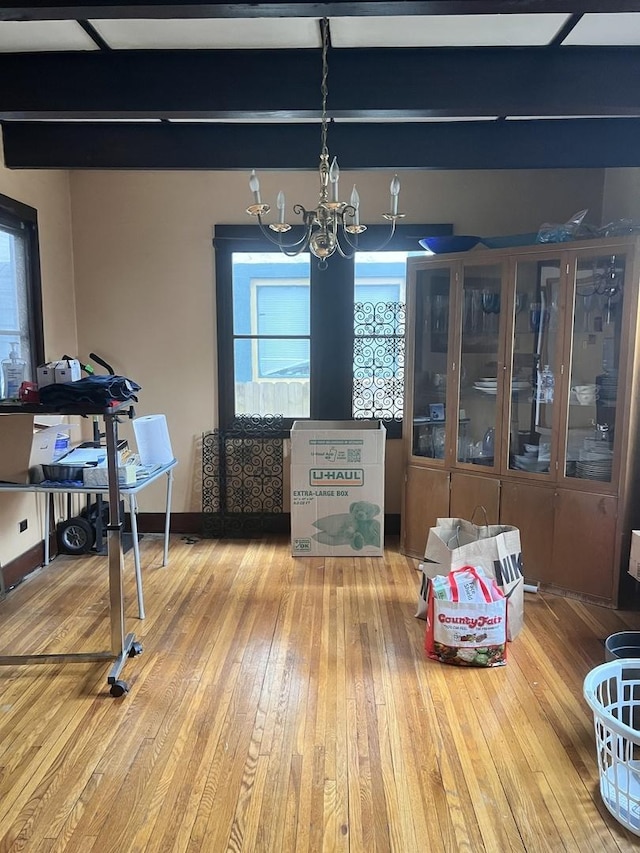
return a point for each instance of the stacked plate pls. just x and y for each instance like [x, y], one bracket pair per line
[594, 469]
[487, 384]
[531, 463]
[607, 384]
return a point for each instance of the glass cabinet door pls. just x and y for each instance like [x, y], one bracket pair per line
[534, 366]
[432, 297]
[595, 348]
[478, 372]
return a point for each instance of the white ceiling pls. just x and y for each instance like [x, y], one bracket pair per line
[207, 33]
[517, 30]
[36, 36]
[446, 31]
[620, 29]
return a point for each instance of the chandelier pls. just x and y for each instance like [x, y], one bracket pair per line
[333, 225]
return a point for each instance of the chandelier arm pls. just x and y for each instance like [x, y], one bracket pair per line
[295, 252]
[307, 215]
[348, 256]
[388, 239]
[277, 241]
[358, 248]
[354, 246]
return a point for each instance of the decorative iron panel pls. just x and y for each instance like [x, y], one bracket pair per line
[378, 360]
[242, 476]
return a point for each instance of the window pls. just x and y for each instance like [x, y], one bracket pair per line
[271, 334]
[20, 295]
[301, 342]
[378, 335]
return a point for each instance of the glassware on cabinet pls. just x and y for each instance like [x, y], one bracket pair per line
[430, 361]
[597, 324]
[440, 314]
[534, 365]
[546, 385]
[478, 368]
[488, 443]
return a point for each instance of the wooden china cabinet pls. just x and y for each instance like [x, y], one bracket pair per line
[522, 398]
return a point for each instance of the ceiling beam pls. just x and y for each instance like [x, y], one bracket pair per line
[279, 84]
[579, 143]
[98, 9]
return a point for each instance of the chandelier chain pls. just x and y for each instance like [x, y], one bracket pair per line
[324, 88]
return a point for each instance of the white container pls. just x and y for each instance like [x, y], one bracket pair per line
[13, 373]
[46, 374]
[68, 370]
[612, 691]
[337, 488]
[99, 476]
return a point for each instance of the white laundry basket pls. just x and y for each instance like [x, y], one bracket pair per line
[613, 693]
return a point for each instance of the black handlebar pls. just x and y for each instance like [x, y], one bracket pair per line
[102, 362]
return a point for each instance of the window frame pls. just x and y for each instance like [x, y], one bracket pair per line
[331, 329]
[20, 217]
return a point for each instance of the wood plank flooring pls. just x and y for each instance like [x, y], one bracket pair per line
[285, 705]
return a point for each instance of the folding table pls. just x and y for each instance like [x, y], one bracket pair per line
[122, 646]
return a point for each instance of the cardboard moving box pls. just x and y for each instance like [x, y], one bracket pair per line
[337, 488]
[25, 447]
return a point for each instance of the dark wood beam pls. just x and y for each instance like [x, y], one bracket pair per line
[579, 143]
[87, 10]
[277, 84]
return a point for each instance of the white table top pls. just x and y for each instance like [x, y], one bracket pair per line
[80, 488]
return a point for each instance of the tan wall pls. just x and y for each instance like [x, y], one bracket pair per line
[145, 272]
[48, 192]
[621, 198]
[139, 245]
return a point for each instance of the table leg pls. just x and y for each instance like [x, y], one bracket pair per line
[133, 512]
[47, 517]
[114, 543]
[167, 518]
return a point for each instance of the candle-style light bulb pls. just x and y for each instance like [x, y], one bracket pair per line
[280, 204]
[395, 192]
[355, 203]
[334, 176]
[254, 186]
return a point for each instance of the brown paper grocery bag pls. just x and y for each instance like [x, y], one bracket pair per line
[456, 542]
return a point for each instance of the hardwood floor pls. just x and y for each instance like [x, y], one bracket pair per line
[286, 705]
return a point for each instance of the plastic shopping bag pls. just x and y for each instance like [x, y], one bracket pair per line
[466, 619]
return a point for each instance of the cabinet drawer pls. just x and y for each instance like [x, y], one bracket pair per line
[530, 509]
[584, 543]
[425, 499]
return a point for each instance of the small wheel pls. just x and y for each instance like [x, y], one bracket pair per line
[136, 649]
[119, 688]
[75, 536]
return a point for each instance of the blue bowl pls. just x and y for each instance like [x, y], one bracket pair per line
[450, 243]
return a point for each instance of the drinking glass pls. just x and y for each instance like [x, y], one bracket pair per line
[535, 313]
